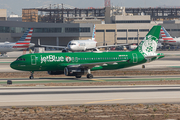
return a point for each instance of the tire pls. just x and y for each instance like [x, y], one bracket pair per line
[64, 50]
[31, 77]
[78, 76]
[89, 76]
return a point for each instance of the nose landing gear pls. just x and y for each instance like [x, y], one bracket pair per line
[31, 77]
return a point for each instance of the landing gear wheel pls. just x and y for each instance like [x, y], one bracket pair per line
[89, 76]
[31, 77]
[78, 76]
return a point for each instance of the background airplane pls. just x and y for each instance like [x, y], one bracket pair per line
[80, 63]
[167, 39]
[81, 45]
[22, 43]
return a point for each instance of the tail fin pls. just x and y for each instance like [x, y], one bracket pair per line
[165, 35]
[26, 38]
[148, 46]
[94, 32]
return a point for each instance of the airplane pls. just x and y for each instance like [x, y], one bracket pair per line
[167, 39]
[22, 43]
[81, 45]
[82, 63]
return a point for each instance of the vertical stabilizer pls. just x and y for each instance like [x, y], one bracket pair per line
[94, 32]
[148, 45]
[26, 38]
[165, 35]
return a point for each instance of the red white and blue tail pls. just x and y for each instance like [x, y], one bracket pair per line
[26, 38]
[165, 36]
[94, 32]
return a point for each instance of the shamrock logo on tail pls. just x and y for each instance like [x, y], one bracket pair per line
[149, 49]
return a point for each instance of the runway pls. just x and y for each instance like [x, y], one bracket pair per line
[33, 96]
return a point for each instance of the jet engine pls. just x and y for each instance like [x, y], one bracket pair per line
[74, 71]
[55, 72]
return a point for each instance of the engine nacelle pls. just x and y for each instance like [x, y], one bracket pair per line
[55, 72]
[74, 71]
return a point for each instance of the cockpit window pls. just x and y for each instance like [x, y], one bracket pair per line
[20, 59]
[17, 59]
[72, 43]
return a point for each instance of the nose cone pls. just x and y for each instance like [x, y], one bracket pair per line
[70, 47]
[13, 65]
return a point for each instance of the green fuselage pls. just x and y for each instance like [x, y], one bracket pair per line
[58, 61]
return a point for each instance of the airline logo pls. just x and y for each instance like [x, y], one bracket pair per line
[148, 46]
[24, 41]
[68, 59]
[165, 36]
[51, 58]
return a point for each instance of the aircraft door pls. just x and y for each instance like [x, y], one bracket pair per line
[33, 60]
[135, 58]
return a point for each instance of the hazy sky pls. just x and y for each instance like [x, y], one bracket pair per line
[16, 6]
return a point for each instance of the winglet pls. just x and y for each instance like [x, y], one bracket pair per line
[94, 32]
[39, 42]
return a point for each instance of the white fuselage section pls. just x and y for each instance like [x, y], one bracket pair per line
[79, 45]
[175, 41]
[8, 47]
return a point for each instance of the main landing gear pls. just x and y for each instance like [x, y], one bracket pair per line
[31, 77]
[89, 75]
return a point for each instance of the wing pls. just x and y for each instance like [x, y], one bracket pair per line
[91, 65]
[65, 47]
[54, 46]
[111, 45]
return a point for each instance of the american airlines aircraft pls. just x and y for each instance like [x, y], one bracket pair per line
[167, 39]
[81, 45]
[22, 43]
